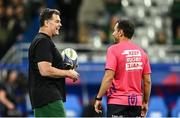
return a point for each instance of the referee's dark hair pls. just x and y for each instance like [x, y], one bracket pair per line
[127, 26]
[46, 14]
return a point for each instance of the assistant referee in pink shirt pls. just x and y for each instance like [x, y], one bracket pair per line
[127, 79]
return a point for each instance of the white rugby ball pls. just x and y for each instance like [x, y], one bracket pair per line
[70, 58]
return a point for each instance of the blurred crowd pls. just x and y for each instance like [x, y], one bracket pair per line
[13, 91]
[85, 21]
[174, 13]
[15, 17]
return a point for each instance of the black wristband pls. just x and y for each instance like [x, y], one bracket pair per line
[96, 98]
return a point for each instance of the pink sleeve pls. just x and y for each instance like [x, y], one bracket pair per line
[147, 67]
[111, 60]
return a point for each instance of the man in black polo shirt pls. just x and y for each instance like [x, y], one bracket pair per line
[46, 71]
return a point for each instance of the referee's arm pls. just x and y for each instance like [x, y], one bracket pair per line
[147, 87]
[106, 82]
[147, 91]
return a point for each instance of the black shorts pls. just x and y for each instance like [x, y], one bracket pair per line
[114, 110]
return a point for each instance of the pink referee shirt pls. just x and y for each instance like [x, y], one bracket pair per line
[129, 62]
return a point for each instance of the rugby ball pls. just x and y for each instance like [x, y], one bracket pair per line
[70, 58]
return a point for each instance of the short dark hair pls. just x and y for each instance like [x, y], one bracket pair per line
[46, 14]
[127, 26]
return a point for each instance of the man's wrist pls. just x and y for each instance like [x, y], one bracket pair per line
[145, 102]
[66, 73]
[98, 98]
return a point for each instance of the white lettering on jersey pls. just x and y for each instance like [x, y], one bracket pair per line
[133, 59]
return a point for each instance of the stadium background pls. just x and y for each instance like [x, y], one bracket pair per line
[87, 27]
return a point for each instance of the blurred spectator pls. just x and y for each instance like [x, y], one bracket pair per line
[3, 32]
[13, 24]
[160, 38]
[3, 2]
[174, 13]
[15, 16]
[32, 8]
[16, 2]
[113, 6]
[12, 94]
[84, 35]
[21, 22]
[69, 14]
[109, 29]
[91, 19]
[176, 40]
[103, 37]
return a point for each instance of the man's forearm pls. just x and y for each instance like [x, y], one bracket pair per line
[4, 100]
[56, 73]
[106, 83]
[147, 91]
[46, 69]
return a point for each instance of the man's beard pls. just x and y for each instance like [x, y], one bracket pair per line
[115, 40]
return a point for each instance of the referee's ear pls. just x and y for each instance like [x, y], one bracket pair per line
[121, 33]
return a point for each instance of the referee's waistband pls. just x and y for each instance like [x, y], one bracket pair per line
[126, 100]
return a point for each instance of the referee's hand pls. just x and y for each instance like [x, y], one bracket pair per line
[144, 109]
[98, 106]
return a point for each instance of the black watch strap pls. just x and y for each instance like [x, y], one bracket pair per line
[96, 98]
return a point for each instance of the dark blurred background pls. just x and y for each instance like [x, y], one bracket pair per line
[87, 27]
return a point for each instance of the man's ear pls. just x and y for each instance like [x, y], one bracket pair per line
[46, 22]
[121, 33]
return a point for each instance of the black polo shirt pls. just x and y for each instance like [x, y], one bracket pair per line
[43, 90]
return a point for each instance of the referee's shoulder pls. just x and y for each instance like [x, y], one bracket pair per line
[112, 46]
